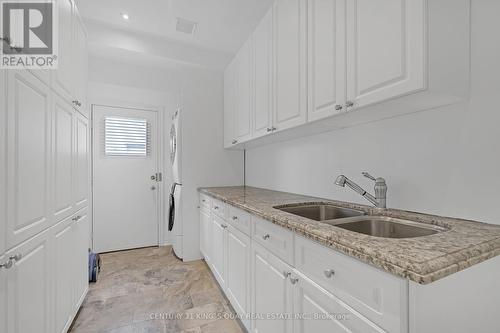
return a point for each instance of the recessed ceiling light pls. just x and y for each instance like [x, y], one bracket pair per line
[125, 16]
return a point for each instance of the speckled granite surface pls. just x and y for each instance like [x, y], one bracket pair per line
[423, 259]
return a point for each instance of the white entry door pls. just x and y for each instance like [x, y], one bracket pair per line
[125, 191]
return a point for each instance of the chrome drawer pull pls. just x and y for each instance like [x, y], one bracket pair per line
[329, 273]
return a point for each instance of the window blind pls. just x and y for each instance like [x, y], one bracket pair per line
[126, 137]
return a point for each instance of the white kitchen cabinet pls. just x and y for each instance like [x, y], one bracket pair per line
[81, 227]
[64, 239]
[263, 61]
[230, 103]
[3, 295]
[63, 157]
[243, 116]
[219, 241]
[324, 312]
[28, 162]
[80, 58]
[29, 286]
[326, 58]
[386, 49]
[290, 63]
[238, 272]
[82, 161]
[205, 234]
[271, 292]
[63, 77]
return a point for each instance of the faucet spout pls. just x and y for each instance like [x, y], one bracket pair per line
[379, 200]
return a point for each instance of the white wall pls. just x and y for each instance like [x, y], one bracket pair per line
[205, 162]
[444, 161]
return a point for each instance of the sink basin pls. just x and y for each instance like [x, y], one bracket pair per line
[320, 212]
[387, 227]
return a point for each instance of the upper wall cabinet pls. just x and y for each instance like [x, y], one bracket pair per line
[348, 62]
[290, 66]
[327, 58]
[230, 96]
[263, 60]
[244, 94]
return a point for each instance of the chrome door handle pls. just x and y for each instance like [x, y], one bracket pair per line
[16, 257]
[329, 273]
[266, 237]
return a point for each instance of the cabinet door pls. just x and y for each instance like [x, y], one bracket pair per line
[81, 161]
[81, 229]
[290, 68]
[64, 256]
[63, 77]
[263, 44]
[244, 100]
[271, 292]
[63, 147]
[238, 272]
[326, 58]
[28, 157]
[218, 257]
[205, 234]
[324, 313]
[29, 288]
[3, 296]
[386, 50]
[80, 55]
[230, 93]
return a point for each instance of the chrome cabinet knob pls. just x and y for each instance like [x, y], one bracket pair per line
[216, 207]
[274, 129]
[329, 273]
[294, 280]
[76, 218]
[234, 142]
[223, 226]
[235, 218]
[153, 188]
[266, 237]
[338, 107]
[286, 274]
[269, 129]
[349, 104]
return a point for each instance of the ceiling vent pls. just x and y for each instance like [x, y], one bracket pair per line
[186, 26]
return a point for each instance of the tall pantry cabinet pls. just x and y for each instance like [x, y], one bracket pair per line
[45, 187]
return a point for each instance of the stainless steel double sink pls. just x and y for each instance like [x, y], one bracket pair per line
[360, 222]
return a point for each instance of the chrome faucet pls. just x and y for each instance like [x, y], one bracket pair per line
[380, 198]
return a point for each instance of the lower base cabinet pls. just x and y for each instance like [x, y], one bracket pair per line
[48, 279]
[272, 302]
[319, 311]
[238, 272]
[29, 286]
[218, 259]
[205, 232]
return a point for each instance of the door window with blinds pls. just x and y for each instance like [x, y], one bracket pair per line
[126, 137]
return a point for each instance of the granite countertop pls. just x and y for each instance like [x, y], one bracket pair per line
[422, 260]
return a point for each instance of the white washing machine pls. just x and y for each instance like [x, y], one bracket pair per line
[174, 214]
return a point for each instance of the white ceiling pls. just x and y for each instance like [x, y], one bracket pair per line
[223, 25]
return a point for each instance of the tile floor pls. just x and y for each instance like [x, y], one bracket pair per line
[140, 290]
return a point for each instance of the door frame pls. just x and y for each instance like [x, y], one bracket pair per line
[160, 117]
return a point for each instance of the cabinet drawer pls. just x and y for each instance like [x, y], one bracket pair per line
[239, 219]
[219, 208]
[205, 202]
[377, 295]
[276, 239]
